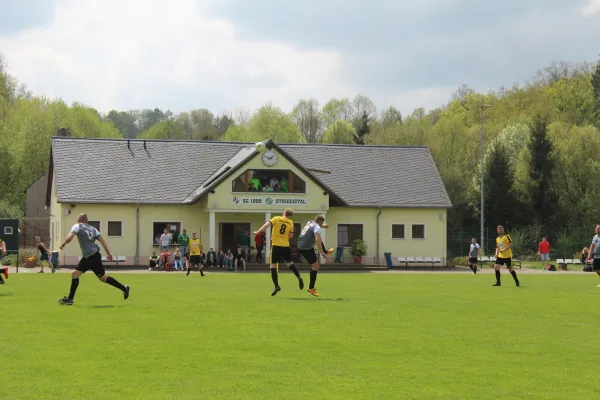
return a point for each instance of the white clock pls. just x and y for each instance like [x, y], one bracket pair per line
[269, 158]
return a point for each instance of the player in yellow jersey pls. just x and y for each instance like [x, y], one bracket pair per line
[195, 254]
[282, 230]
[504, 255]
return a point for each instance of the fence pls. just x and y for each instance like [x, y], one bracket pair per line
[29, 228]
[564, 243]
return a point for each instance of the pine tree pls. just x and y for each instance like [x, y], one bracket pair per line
[363, 129]
[596, 88]
[501, 204]
[542, 199]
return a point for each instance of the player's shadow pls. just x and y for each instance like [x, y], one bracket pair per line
[106, 306]
[6, 294]
[312, 299]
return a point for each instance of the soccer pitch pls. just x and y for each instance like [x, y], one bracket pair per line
[369, 336]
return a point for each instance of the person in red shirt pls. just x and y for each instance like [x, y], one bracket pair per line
[544, 249]
[260, 243]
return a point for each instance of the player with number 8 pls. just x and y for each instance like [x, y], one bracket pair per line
[282, 230]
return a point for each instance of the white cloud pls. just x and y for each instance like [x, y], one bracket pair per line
[591, 7]
[138, 54]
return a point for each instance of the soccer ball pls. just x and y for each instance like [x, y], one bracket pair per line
[260, 147]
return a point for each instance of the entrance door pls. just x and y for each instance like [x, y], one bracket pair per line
[229, 234]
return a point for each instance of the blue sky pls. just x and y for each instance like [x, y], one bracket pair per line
[224, 54]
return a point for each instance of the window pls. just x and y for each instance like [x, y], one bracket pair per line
[115, 228]
[173, 229]
[95, 224]
[418, 231]
[276, 181]
[346, 234]
[8, 230]
[398, 231]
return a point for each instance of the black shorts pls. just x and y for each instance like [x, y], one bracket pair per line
[92, 262]
[309, 255]
[44, 257]
[279, 253]
[195, 260]
[473, 260]
[596, 264]
[504, 261]
[239, 257]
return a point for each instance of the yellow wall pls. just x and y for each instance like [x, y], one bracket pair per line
[56, 213]
[434, 244]
[221, 199]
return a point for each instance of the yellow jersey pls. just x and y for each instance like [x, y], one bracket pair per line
[281, 229]
[195, 247]
[501, 244]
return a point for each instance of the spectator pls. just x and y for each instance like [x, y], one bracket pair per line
[229, 260]
[177, 259]
[211, 258]
[584, 255]
[244, 243]
[164, 258]
[164, 240]
[544, 250]
[267, 188]
[260, 242]
[239, 257]
[183, 241]
[284, 185]
[153, 261]
[221, 259]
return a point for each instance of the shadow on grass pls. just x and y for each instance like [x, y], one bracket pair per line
[106, 306]
[312, 299]
[6, 294]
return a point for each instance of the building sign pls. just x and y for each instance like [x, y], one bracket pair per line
[268, 201]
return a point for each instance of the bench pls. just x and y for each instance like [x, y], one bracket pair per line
[420, 260]
[563, 263]
[117, 260]
[485, 259]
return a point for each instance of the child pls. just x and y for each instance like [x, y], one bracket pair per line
[177, 260]
[153, 261]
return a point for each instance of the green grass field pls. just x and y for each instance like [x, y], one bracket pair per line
[369, 336]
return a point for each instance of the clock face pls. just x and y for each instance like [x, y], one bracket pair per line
[269, 158]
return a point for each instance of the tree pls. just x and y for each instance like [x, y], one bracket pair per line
[391, 116]
[340, 132]
[542, 197]
[268, 122]
[124, 122]
[596, 93]
[363, 129]
[337, 109]
[221, 123]
[501, 205]
[168, 129]
[308, 119]
[362, 105]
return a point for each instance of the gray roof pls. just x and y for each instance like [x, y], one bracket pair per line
[175, 172]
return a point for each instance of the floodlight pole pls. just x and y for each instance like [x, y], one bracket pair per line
[483, 107]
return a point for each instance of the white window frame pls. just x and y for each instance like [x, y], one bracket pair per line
[114, 236]
[351, 223]
[424, 232]
[8, 230]
[392, 231]
[167, 222]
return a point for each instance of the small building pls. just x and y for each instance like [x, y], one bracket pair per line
[391, 197]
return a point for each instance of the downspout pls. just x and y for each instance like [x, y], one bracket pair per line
[136, 259]
[377, 247]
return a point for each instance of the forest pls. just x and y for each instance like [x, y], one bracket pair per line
[541, 156]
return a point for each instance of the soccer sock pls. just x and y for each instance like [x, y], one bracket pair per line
[1, 280]
[514, 275]
[475, 268]
[74, 284]
[497, 276]
[313, 278]
[470, 266]
[113, 282]
[294, 270]
[274, 276]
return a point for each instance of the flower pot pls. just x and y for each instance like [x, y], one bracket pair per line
[358, 260]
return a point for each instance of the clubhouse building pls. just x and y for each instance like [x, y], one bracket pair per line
[391, 197]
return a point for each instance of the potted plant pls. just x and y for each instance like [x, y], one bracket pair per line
[358, 250]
